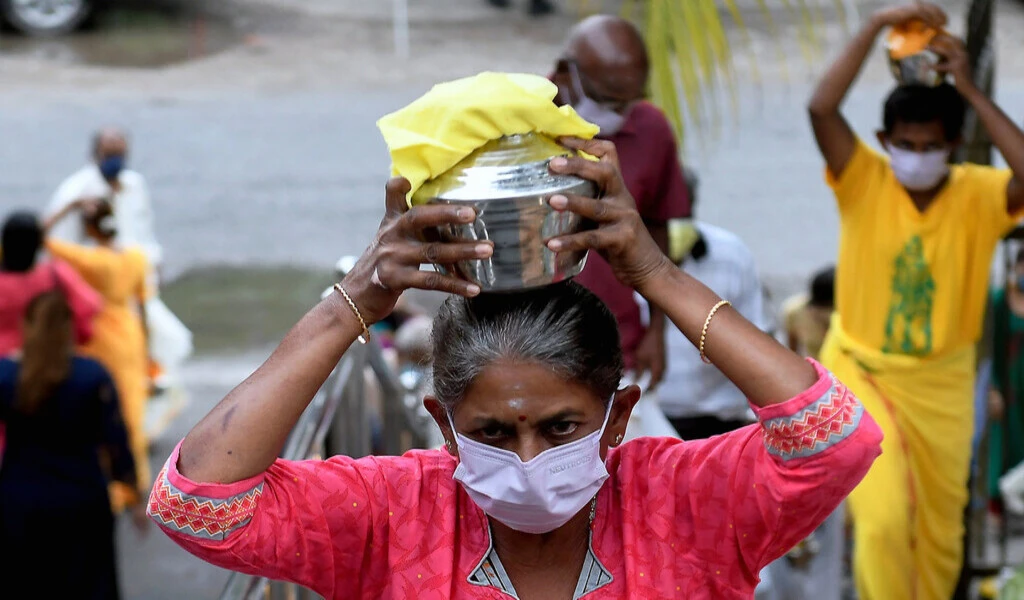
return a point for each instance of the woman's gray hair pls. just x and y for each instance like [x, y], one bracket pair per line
[561, 326]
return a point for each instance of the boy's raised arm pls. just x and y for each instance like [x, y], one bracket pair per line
[835, 138]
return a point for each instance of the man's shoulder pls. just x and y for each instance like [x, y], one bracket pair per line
[720, 240]
[132, 178]
[970, 174]
[79, 178]
[650, 119]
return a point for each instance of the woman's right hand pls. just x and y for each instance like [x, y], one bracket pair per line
[621, 237]
[931, 14]
[391, 264]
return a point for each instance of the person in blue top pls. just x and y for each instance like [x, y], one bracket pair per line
[64, 440]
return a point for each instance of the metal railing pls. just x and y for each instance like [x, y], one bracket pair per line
[340, 421]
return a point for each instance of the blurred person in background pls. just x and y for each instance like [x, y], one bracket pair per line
[536, 8]
[23, 277]
[698, 399]
[1006, 396]
[813, 568]
[65, 441]
[603, 74]
[807, 316]
[412, 345]
[107, 177]
[917, 237]
[119, 338]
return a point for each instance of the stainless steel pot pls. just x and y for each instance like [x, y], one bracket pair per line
[917, 69]
[508, 183]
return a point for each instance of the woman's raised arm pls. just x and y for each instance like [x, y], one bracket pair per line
[764, 370]
[244, 434]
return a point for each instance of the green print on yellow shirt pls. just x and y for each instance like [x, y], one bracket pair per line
[908, 328]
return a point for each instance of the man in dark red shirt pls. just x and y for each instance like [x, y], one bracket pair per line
[603, 75]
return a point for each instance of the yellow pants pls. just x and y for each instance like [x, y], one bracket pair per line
[908, 510]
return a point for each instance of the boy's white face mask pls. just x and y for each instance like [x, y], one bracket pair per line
[919, 171]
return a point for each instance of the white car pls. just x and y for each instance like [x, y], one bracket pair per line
[45, 17]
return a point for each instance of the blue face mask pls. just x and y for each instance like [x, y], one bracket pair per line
[111, 167]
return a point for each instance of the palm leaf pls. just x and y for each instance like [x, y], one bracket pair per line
[693, 63]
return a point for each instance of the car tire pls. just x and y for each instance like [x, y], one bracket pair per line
[31, 17]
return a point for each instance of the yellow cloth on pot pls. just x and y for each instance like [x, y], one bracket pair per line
[444, 126]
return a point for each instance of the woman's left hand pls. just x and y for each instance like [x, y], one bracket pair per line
[621, 236]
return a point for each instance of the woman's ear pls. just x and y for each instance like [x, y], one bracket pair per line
[623, 403]
[440, 415]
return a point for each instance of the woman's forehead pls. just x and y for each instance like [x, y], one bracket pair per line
[505, 388]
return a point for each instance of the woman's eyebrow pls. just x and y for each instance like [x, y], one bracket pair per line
[561, 416]
[485, 422]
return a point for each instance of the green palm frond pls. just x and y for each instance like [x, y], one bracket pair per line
[693, 62]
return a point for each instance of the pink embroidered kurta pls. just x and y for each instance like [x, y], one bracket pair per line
[675, 519]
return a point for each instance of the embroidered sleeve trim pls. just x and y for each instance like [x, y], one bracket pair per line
[199, 516]
[821, 425]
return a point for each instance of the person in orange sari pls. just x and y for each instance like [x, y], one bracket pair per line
[119, 337]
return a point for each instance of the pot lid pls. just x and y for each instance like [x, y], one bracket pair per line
[513, 166]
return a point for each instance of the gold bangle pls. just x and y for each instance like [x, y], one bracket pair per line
[366, 330]
[707, 322]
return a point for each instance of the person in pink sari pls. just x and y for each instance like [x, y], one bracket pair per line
[23, 277]
[534, 494]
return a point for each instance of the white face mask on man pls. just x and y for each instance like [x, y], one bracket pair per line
[609, 120]
[537, 496]
[919, 171]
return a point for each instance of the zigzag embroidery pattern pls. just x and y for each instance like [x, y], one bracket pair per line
[821, 425]
[207, 518]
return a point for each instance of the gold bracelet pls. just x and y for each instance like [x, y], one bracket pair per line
[704, 332]
[366, 330]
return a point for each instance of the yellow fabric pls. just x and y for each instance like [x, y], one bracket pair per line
[682, 236]
[118, 341]
[908, 510]
[913, 283]
[910, 38]
[453, 119]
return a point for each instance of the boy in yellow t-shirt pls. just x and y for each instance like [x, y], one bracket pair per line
[916, 243]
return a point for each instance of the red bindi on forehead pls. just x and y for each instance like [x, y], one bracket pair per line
[522, 418]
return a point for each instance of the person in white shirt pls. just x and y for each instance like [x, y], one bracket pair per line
[697, 398]
[107, 177]
[701, 402]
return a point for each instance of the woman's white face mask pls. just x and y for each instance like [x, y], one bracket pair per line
[919, 171]
[537, 496]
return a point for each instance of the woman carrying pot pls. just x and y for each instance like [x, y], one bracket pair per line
[119, 339]
[534, 494]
